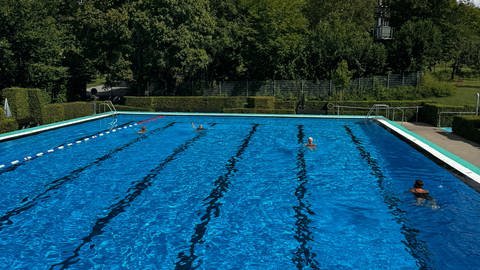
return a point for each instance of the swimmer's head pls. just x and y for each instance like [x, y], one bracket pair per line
[418, 183]
[310, 139]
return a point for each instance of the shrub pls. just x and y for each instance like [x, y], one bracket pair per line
[467, 127]
[261, 102]
[25, 103]
[430, 86]
[7, 124]
[432, 114]
[65, 111]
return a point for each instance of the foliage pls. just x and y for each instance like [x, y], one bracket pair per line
[342, 76]
[430, 86]
[59, 46]
[431, 114]
[467, 127]
[418, 45]
[25, 104]
[7, 124]
[65, 111]
[207, 104]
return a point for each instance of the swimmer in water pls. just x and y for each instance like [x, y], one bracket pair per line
[142, 130]
[312, 146]
[200, 127]
[422, 195]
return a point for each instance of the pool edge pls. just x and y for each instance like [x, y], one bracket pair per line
[461, 166]
[35, 130]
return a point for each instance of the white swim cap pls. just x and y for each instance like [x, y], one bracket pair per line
[310, 138]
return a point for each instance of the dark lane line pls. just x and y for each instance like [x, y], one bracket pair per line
[119, 207]
[213, 205]
[303, 257]
[417, 248]
[22, 162]
[28, 203]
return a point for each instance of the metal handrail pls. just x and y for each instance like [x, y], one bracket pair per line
[453, 113]
[392, 109]
[376, 107]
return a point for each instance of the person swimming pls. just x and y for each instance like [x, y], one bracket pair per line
[200, 127]
[421, 194]
[142, 130]
[312, 146]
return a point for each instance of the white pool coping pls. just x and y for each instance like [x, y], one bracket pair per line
[42, 128]
[463, 167]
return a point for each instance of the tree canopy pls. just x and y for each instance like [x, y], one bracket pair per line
[61, 45]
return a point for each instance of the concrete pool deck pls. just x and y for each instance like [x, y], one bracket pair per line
[465, 149]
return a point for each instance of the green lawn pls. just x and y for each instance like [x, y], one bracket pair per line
[466, 93]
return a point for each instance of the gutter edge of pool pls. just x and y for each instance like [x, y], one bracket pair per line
[466, 169]
[34, 130]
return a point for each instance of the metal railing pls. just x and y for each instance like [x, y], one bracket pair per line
[444, 114]
[390, 112]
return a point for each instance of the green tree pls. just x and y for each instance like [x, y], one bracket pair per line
[417, 46]
[357, 12]
[171, 41]
[32, 45]
[334, 41]
[279, 46]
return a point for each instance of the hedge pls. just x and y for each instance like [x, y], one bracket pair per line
[467, 127]
[25, 103]
[7, 124]
[260, 102]
[64, 111]
[132, 109]
[200, 104]
[431, 113]
[259, 110]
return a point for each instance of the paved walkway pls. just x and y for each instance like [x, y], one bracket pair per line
[465, 149]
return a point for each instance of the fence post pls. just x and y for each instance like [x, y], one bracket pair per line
[247, 88]
[220, 87]
[388, 80]
[330, 88]
[301, 87]
[403, 78]
[273, 87]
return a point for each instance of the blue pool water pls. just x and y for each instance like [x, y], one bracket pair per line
[243, 194]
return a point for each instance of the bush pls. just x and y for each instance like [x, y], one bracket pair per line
[261, 102]
[7, 124]
[431, 113]
[65, 111]
[258, 110]
[430, 86]
[132, 109]
[467, 127]
[186, 104]
[25, 104]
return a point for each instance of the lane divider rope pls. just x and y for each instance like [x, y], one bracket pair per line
[61, 147]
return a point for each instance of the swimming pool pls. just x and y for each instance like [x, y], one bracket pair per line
[243, 194]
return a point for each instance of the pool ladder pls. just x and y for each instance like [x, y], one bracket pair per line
[375, 109]
[108, 104]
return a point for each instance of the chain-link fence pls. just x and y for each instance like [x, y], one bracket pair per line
[293, 88]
